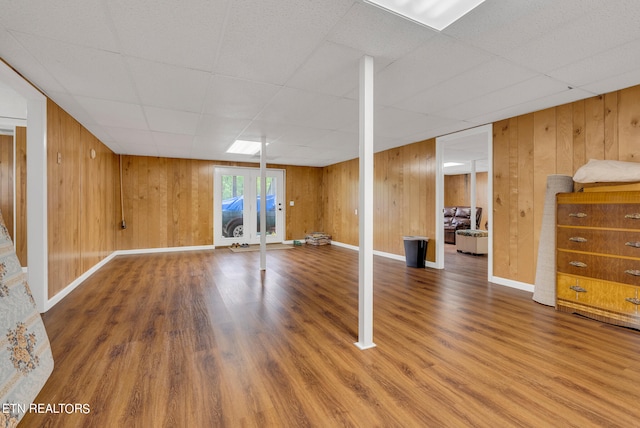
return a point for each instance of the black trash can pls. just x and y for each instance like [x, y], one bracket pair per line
[415, 250]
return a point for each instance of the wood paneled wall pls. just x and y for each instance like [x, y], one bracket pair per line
[457, 192]
[304, 188]
[7, 182]
[81, 199]
[20, 239]
[404, 194]
[557, 140]
[169, 202]
[13, 188]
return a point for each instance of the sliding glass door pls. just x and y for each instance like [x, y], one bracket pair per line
[237, 206]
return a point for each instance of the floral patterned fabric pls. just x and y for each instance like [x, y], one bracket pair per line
[25, 354]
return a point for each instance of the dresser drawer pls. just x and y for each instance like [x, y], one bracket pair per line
[617, 242]
[626, 271]
[619, 216]
[600, 294]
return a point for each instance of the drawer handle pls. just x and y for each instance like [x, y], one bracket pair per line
[579, 239]
[635, 216]
[633, 244]
[634, 272]
[578, 289]
[578, 215]
[633, 300]
[578, 264]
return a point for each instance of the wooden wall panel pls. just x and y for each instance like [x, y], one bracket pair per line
[304, 188]
[542, 163]
[404, 190]
[502, 216]
[611, 150]
[457, 192]
[169, 202]
[602, 127]
[564, 142]
[594, 128]
[20, 239]
[97, 220]
[81, 199]
[629, 124]
[7, 181]
[63, 144]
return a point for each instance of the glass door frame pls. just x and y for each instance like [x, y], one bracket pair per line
[250, 234]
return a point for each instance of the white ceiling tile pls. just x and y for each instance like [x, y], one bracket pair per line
[438, 60]
[288, 69]
[268, 40]
[300, 135]
[378, 33]
[395, 123]
[529, 90]
[61, 20]
[332, 69]
[501, 26]
[214, 132]
[82, 71]
[613, 82]
[237, 98]
[165, 140]
[543, 102]
[171, 32]
[13, 53]
[616, 61]
[269, 129]
[173, 121]
[169, 86]
[293, 106]
[483, 79]
[130, 136]
[338, 115]
[114, 113]
[580, 38]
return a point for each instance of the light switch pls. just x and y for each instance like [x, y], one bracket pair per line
[291, 203]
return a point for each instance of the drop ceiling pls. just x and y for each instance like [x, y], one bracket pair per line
[186, 79]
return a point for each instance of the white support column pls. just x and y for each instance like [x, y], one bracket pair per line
[365, 287]
[263, 205]
[474, 195]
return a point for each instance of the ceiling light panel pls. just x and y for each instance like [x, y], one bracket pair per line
[244, 147]
[437, 14]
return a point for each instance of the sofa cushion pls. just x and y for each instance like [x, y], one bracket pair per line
[463, 212]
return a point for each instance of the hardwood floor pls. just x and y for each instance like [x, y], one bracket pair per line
[204, 339]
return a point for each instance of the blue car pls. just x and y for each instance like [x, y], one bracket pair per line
[232, 211]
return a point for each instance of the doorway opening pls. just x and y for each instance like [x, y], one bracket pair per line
[467, 184]
[237, 206]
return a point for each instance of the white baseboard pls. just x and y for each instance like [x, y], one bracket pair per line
[511, 283]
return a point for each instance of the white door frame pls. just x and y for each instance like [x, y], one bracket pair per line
[249, 214]
[487, 131]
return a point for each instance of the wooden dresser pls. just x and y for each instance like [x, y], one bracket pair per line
[598, 256]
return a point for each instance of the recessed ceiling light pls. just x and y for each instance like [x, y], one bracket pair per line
[244, 147]
[437, 14]
[448, 164]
